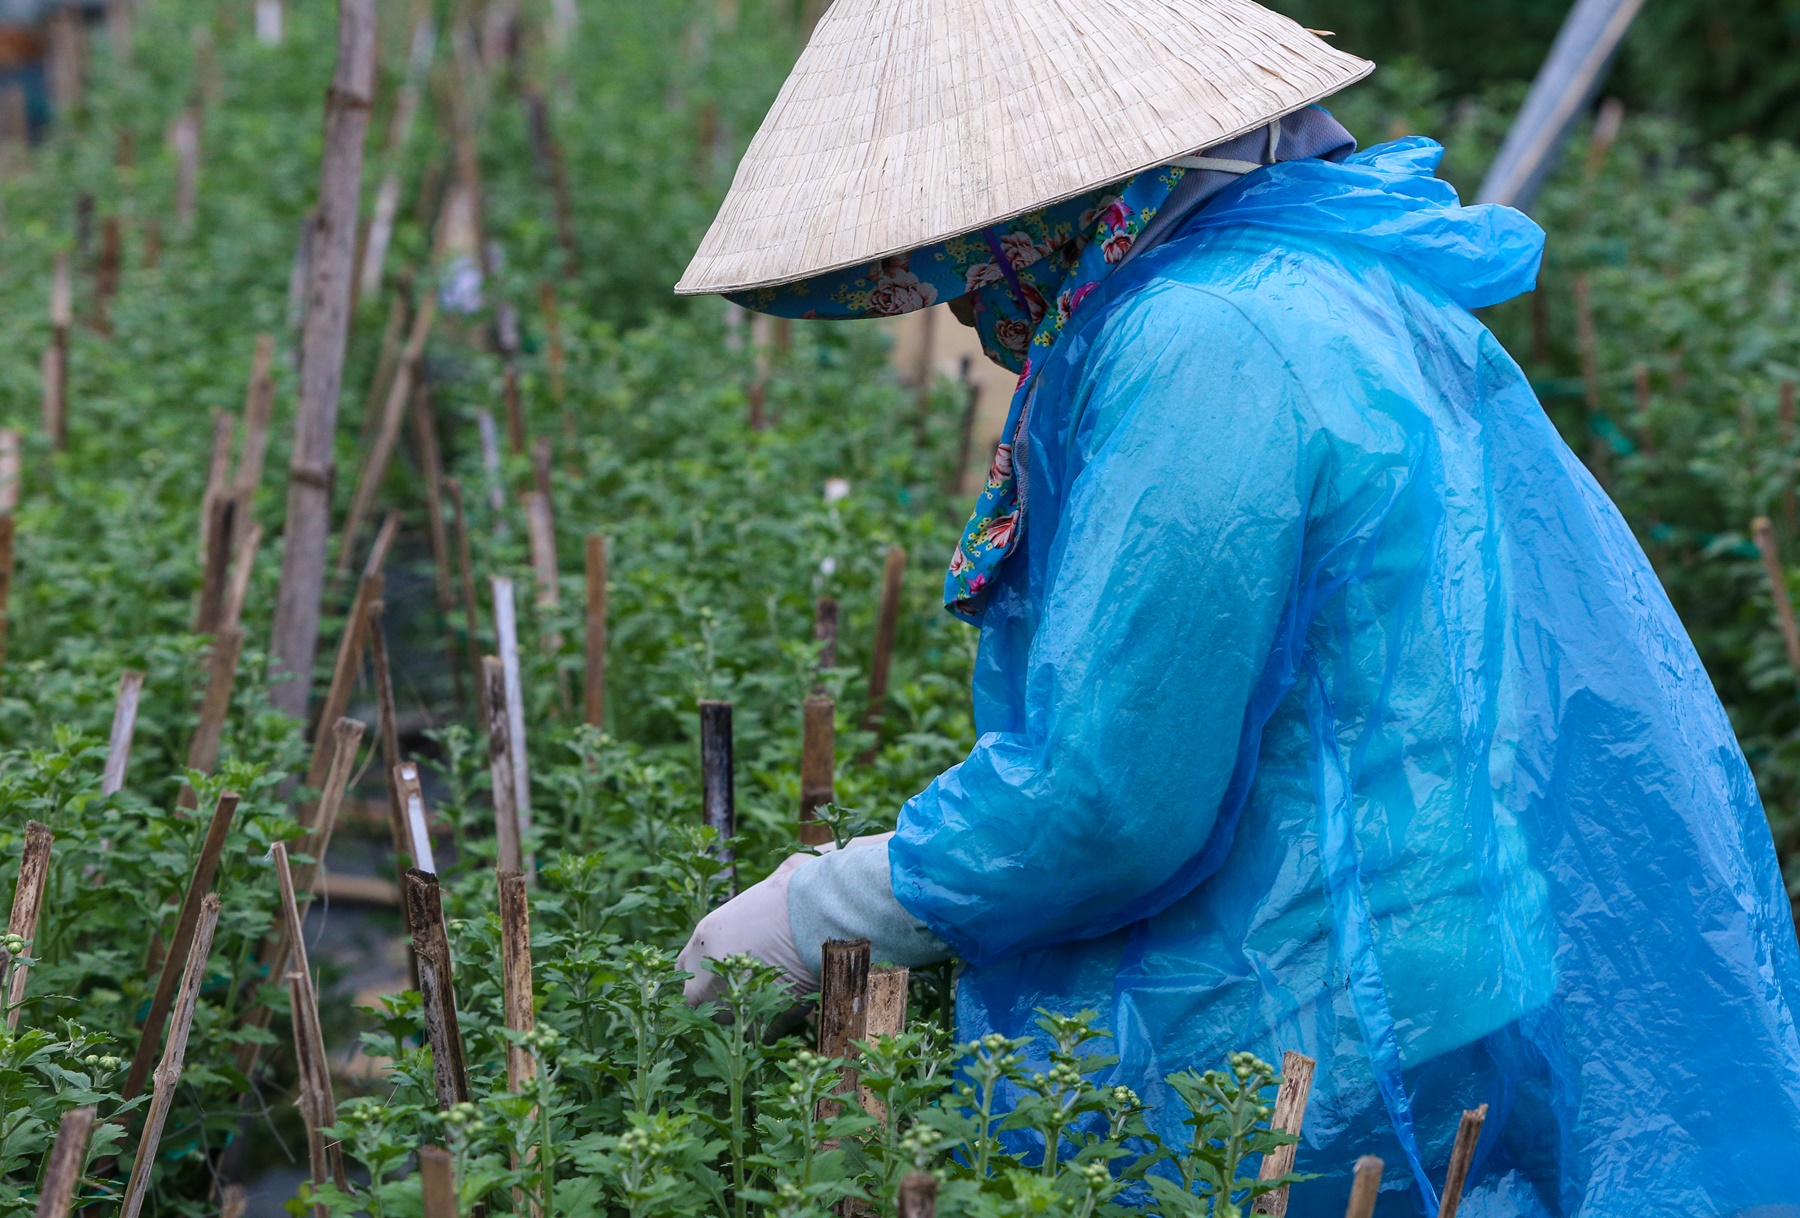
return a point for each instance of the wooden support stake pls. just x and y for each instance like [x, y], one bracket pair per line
[543, 554]
[56, 355]
[1763, 530]
[317, 1104]
[344, 672]
[259, 406]
[918, 1196]
[1290, 1112]
[215, 706]
[718, 796]
[306, 534]
[887, 1017]
[818, 763]
[594, 687]
[437, 986]
[387, 728]
[68, 1156]
[437, 1175]
[27, 907]
[124, 726]
[500, 762]
[187, 926]
[168, 1070]
[374, 469]
[1366, 1188]
[418, 824]
[215, 566]
[515, 962]
[234, 1199]
[506, 637]
[1462, 1156]
[843, 1007]
[465, 574]
[887, 623]
[243, 566]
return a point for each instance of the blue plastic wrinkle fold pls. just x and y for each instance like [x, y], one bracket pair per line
[1329, 705]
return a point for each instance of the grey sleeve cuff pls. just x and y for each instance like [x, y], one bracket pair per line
[848, 894]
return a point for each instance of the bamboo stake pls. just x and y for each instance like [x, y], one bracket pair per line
[431, 465]
[918, 1196]
[1462, 1155]
[124, 725]
[1763, 530]
[243, 566]
[400, 124]
[506, 636]
[818, 748]
[543, 453]
[843, 1008]
[594, 687]
[68, 1156]
[308, 518]
[431, 949]
[490, 463]
[209, 733]
[718, 796]
[206, 866]
[215, 567]
[1290, 1112]
[56, 355]
[515, 959]
[318, 1105]
[391, 338]
[259, 405]
[368, 481]
[437, 1174]
[388, 729]
[418, 828]
[351, 646]
[887, 622]
[168, 1071]
[543, 561]
[500, 762]
[465, 574]
[27, 907]
[887, 1017]
[1365, 1189]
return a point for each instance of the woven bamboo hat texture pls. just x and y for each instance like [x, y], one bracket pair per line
[906, 122]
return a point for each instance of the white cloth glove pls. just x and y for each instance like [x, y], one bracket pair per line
[753, 923]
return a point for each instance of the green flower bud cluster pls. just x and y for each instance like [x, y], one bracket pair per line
[101, 1062]
[14, 944]
[465, 1118]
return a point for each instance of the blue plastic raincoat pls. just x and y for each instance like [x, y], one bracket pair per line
[1328, 704]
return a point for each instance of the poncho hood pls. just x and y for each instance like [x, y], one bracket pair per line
[1387, 200]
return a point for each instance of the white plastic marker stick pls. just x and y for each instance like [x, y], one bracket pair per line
[418, 833]
[506, 634]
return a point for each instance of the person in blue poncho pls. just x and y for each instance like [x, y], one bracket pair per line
[1325, 702]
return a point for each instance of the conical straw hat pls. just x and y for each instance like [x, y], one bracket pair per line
[906, 122]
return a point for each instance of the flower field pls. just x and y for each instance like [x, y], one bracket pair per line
[568, 516]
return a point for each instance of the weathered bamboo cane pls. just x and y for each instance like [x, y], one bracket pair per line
[843, 1008]
[917, 1197]
[1763, 530]
[351, 646]
[259, 407]
[515, 961]
[215, 566]
[508, 856]
[306, 534]
[215, 706]
[68, 1155]
[887, 624]
[234, 1200]
[1290, 1112]
[387, 728]
[168, 1070]
[318, 1104]
[374, 469]
[887, 1017]
[431, 949]
[718, 796]
[56, 355]
[399, 132]
[27, 908]
[182, 943]
[437, 1175]
[818, 749]
[593, 691]
[431, 465]
[124, 726]
[1365, 1188]
[243, 566]
[1462, 1155]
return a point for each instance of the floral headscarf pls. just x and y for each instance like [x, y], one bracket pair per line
[1025, 276]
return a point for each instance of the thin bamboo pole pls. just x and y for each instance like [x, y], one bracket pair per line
[351, 647]
[400, 124]
[515, 960]
[374, 469]
[387, 728]
[206, 866]
[318, 1105]
[243, 566]
[27, 908]
[594, 686]
[168, 1070]
[124, 726]
[1365, 1188]
[1462, 1155]
[843, 1008]
[1763, 530]
[1290, 1112]
[68, 1156]
[437, 986]
[259, 406]
[506, 637]
[465, 575]
[431, 465]
[389, 355]
[887, 1017]
[818, 748]
[553, 341]
[106, 274]
[308, 518]
[184, 141]
[215, 566]
[918, 1196]
[437, 1175]
[508, 856]
[209, 732]
[718, 796]
[56, 355]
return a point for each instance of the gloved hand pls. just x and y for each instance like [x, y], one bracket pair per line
[753, 923]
